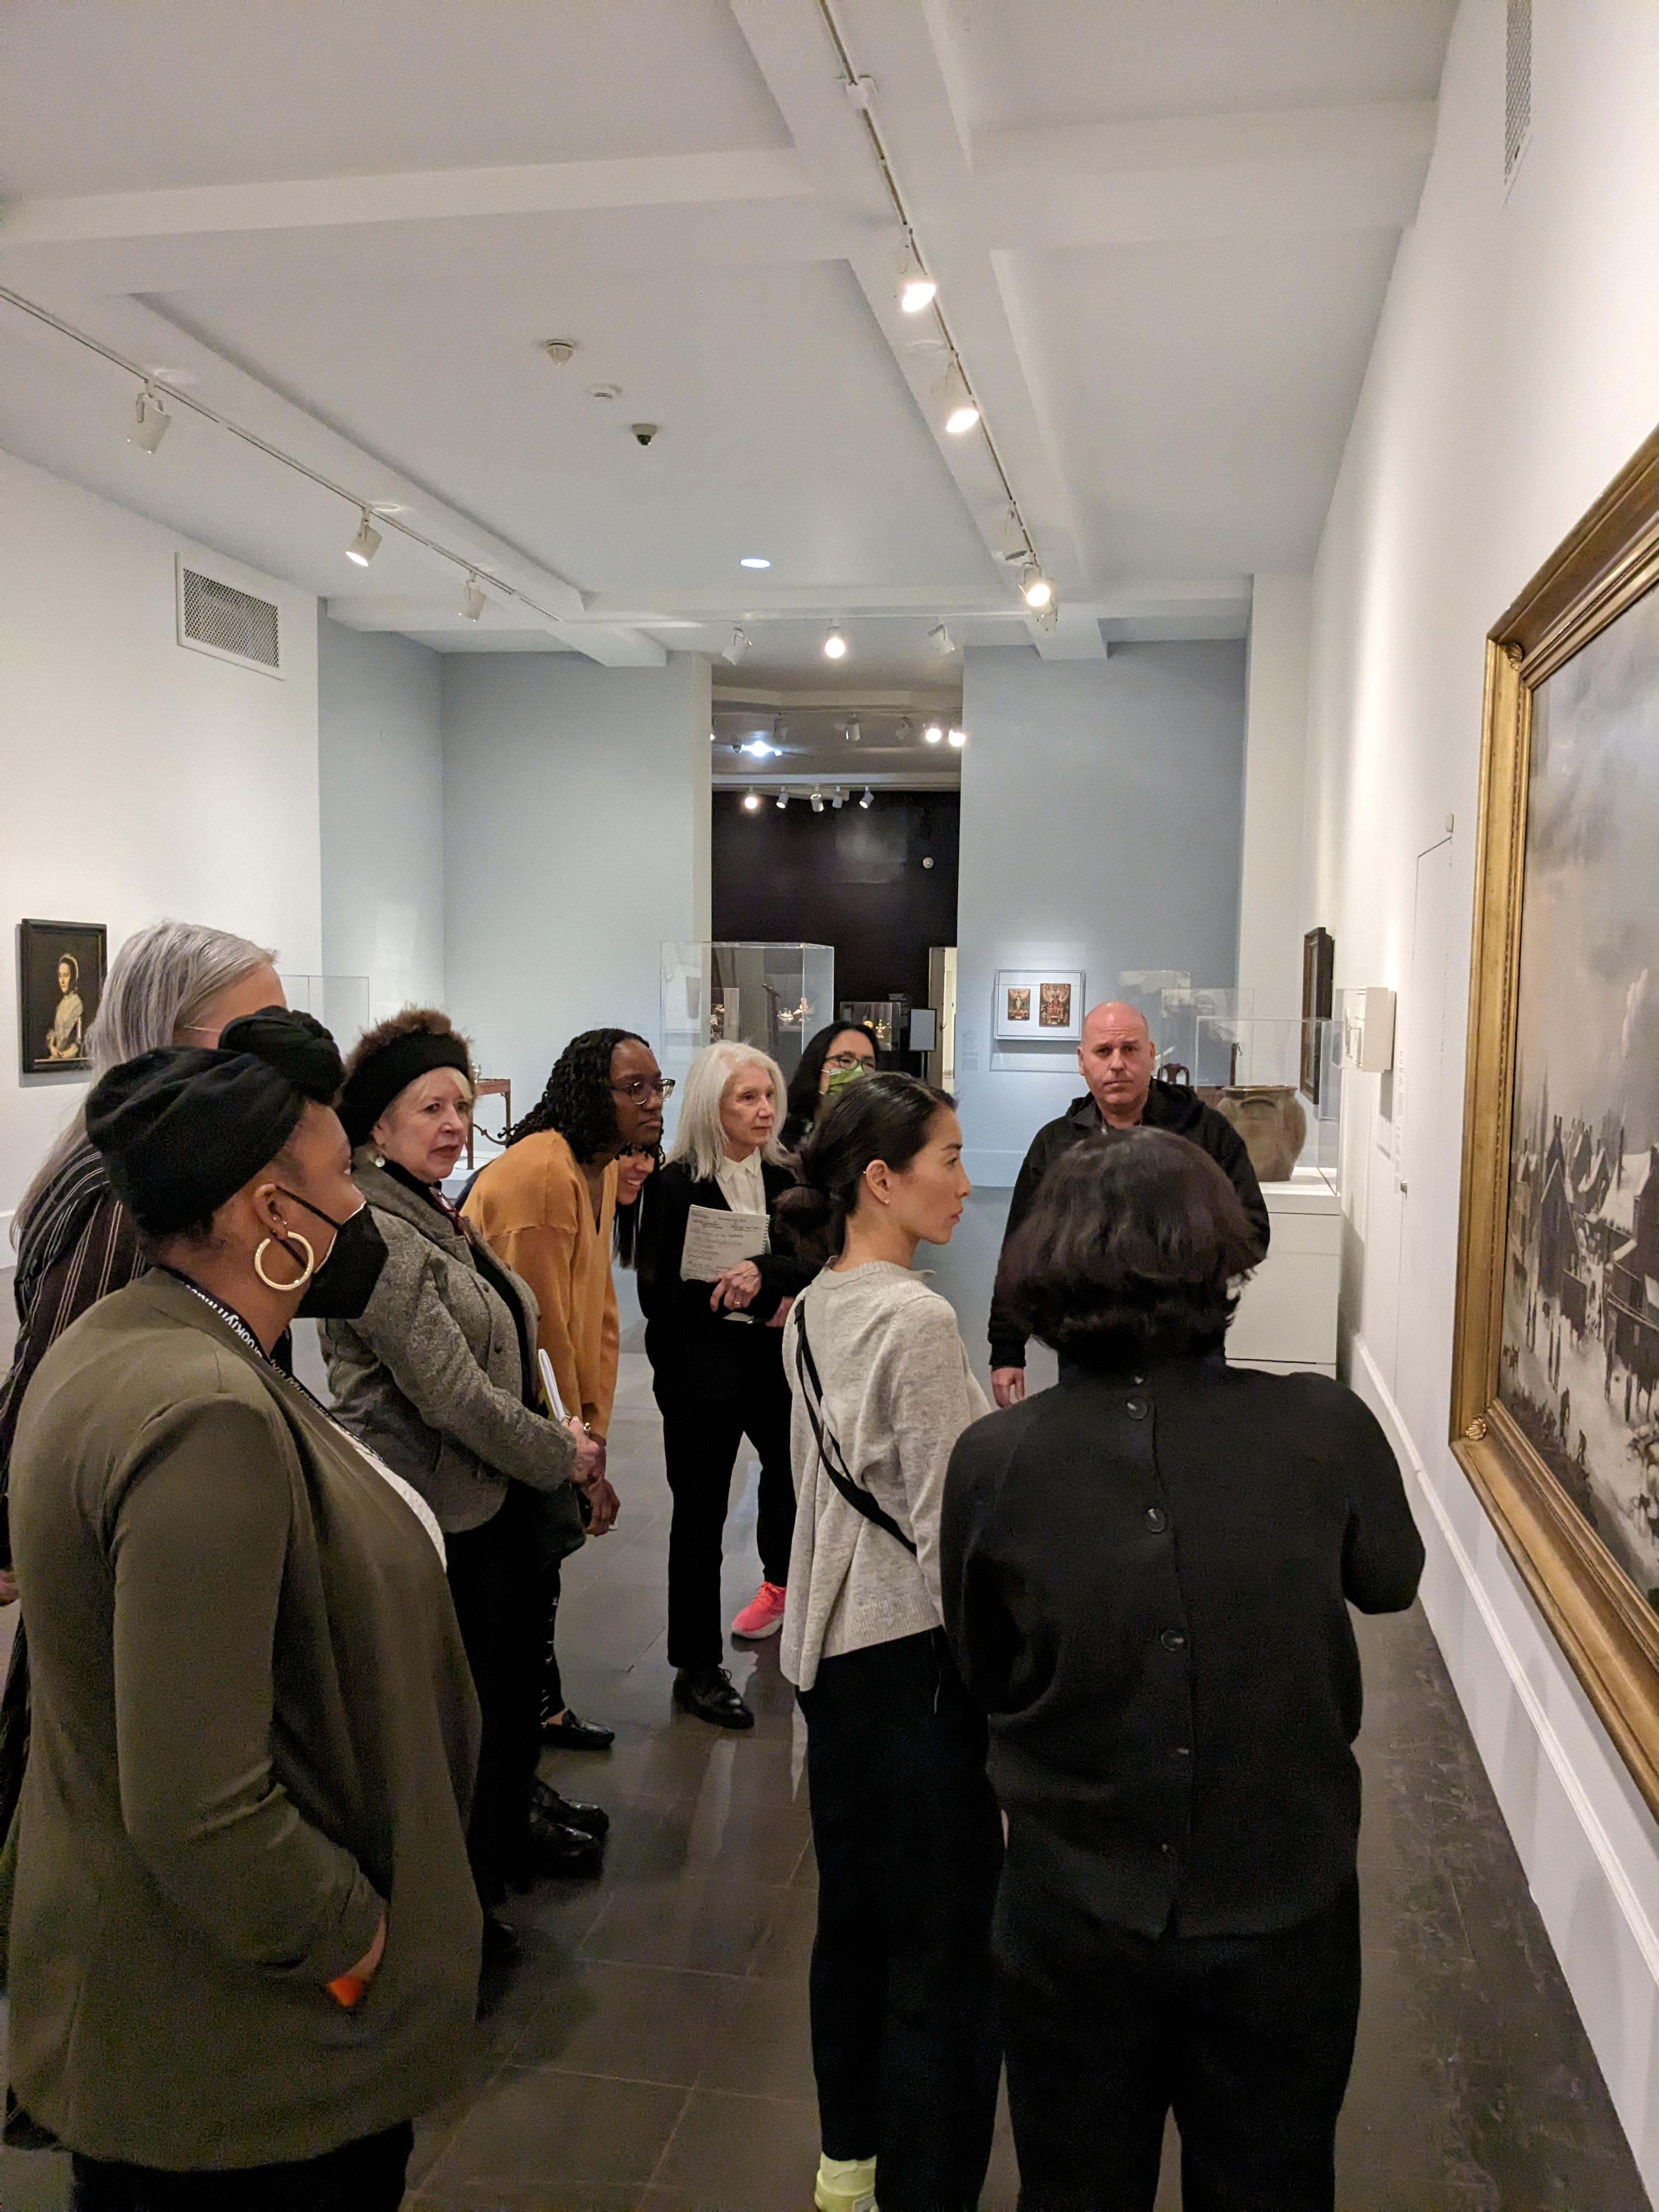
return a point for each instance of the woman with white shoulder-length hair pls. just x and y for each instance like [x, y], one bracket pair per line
[715, 1294]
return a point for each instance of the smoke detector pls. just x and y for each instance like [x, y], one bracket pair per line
[558, 350]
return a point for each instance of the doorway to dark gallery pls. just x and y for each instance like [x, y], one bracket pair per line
[877, 882]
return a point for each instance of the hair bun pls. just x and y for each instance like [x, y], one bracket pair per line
[295, 1044]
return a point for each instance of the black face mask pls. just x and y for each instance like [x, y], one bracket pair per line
[344, 1284]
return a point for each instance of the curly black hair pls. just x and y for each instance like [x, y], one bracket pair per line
[577, 1101]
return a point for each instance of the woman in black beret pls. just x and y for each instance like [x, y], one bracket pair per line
[244, 1941]
[438, 1375]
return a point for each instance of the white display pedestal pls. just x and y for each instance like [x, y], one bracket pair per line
[1286, 1319]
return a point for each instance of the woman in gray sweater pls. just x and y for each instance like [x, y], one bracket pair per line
[904, 1826]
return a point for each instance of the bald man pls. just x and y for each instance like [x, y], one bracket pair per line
[1116, 1061]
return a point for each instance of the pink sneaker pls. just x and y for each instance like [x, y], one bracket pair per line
[762, 1615]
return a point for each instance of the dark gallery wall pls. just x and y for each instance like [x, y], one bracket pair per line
[854, 879]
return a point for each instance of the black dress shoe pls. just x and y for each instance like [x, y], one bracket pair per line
[590, 1820]
[569, 1734]
[501, 1940]
[555, 1849]
[711, 1694]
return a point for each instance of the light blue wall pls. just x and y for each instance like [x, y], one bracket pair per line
[380, 770]
[1101, 817]
[576, 840]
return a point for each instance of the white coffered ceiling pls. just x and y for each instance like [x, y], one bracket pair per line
[1162, 228]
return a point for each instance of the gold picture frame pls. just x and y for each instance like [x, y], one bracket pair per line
[1605, 1623]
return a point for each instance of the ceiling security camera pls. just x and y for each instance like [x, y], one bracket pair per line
[645, 432]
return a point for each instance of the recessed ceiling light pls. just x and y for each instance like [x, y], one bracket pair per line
[754, 561]
[604, 392]
[365, 544]
[835, 645]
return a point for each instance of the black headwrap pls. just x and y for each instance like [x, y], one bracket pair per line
[376, 1081]
[181, 1130]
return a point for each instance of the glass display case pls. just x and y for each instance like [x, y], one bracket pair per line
[889, 1018]
[1181, 1008]
[340, 1003]
[1278, 1081]
[1144, 988]
[771, 996]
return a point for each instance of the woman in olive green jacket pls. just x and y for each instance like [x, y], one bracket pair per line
[245, 1941]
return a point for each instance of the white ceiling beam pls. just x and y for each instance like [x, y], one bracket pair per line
[608, 643]
[1074, 636]
[414, 196]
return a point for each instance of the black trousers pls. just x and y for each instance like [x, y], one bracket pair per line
[699, 1441]
[1248, 2038]
[365, 2176]
[498, 1580]
[908, 1841]
[552, 1700]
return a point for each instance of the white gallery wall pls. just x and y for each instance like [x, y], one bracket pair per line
[140, 779]
[380, 752]
[576, 810]
[1515, 371]
[1275, 775]
[1101, 805]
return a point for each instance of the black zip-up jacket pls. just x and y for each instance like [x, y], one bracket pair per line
[1146, 1583]
[1169, 1106]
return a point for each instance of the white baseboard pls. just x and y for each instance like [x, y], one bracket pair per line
[1609, 2013]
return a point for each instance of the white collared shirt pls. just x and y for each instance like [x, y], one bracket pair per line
[743, 1183]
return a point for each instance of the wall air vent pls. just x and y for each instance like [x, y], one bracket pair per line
[1517, 84]
[231, 624]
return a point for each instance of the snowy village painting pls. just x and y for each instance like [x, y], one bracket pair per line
[1578, 1357]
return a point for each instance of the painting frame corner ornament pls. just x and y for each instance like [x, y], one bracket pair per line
[61, 971]
[1555, 1355]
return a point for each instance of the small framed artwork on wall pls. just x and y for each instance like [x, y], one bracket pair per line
[60, 977]
[1038, 1005]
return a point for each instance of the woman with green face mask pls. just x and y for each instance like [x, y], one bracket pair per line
[835, 1056]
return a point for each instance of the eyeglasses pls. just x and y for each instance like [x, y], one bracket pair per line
[643, 1087]
[850, 1060]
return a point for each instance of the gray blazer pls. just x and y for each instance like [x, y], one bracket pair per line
[431, 1376]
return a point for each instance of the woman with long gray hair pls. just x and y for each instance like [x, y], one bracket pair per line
[712, 1336]
[175, 982]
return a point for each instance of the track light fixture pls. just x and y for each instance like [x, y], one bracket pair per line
[150, 421]
[903, 730]
[960, 407]
[958, 738]
[934, 733]
[751, 802]
[835, 645]
[1048, 618]
[1035, 587]
[838, 798]
[853, 734]
[1012, 541]
[365, 544]
[781, 801]
[941, 641]
[473, 600]
[818, 802]
[868, 799]
[916, 287]
[738, 646]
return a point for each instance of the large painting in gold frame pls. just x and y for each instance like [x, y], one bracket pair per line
[1556, 1362]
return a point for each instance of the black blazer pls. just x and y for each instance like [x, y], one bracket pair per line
[1146, 1581]
[694, 1352]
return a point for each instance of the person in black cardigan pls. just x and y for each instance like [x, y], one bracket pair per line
[1146, 1578]
[715, 1349]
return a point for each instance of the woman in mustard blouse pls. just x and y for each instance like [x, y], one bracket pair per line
[547, 1209]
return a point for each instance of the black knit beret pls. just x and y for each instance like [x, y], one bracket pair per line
[377, 1078]
[181, 1130]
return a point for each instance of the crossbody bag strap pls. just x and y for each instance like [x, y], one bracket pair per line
[831, 1455]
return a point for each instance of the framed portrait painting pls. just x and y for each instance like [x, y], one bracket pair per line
[60, 985]
[1556, 1362]
[1037, 1006]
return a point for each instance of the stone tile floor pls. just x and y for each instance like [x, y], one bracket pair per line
[650, 2048]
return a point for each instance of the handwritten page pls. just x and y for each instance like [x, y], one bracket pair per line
[716, 1240]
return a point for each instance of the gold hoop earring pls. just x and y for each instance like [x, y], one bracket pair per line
[301, 1279]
